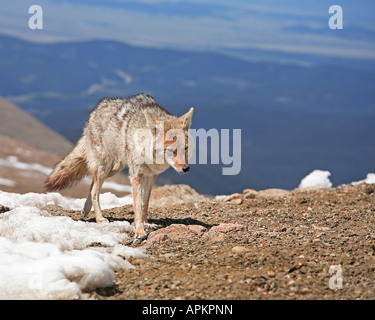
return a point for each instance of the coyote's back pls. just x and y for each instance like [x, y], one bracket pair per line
[110, 128]
[107, 139]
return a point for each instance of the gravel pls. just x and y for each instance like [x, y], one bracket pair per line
[284, 245]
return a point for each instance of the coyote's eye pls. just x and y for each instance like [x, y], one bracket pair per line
[172, 151]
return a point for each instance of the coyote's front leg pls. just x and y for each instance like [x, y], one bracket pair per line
[147, 184]
[136, 181]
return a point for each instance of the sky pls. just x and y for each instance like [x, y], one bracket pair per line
[299, 26]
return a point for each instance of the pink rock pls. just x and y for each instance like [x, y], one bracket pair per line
[197, 229]
[157, 238]
[228, 227]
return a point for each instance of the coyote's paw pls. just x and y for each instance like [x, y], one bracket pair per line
[139, 237]
[140, 234]
[102, 220]
[151, 226]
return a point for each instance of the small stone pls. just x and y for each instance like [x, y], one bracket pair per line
[237, 201]
[271, 274]
[197, 229]
[273, 235]
[240, 249]
[228, 227]
[218, 237]
[273, 193]
[156, 239]
[249, 194]
[3, 209]
[235, 197]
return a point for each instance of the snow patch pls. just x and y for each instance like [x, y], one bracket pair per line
[13, 162]
[116, 186]
[7, 182]
[317, 178]
[12, 200]
[220, 197]
[33, 270]
[47, 257]
[370, 179]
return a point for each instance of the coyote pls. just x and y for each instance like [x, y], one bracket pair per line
[134, 132]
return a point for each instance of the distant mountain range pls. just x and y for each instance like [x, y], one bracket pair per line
[17, 124]
[295, 117]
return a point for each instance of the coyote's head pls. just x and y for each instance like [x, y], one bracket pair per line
[171, 140]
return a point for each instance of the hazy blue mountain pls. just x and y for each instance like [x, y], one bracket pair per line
[295, 117]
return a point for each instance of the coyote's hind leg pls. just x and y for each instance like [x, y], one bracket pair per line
[97, 179]
[88, 203]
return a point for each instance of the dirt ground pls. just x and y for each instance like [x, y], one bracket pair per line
[313, 244]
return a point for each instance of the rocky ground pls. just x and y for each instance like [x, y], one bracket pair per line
[272, 244]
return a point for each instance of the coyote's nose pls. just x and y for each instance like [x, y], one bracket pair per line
[185, 169]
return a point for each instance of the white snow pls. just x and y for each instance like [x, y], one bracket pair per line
[370, 179]
[317, 178]
[7, 182]
[33, 270]
[13, 162]
[48, 257]
[220, 197]
[12, 200]
[116, 186]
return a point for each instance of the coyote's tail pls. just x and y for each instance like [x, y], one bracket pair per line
[69, 170]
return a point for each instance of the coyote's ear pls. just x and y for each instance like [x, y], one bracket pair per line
[150, 119]
[186, 119]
